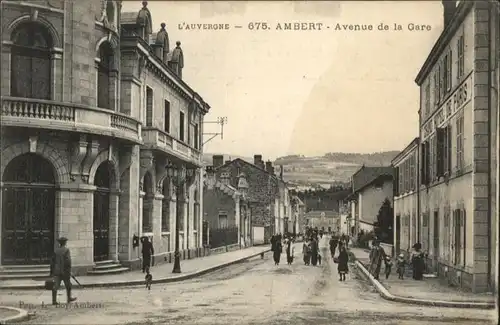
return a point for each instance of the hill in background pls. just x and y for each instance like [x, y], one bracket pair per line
[334, 167]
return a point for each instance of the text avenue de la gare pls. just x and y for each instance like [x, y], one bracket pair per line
[306, 26]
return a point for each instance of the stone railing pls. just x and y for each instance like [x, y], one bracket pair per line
[46, 114]
[163, 141]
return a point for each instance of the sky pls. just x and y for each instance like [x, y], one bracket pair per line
[303, 91]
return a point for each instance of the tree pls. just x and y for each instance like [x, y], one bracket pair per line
[384, 223]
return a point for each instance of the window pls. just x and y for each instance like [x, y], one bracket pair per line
[103, 76]
[446, 238]
[442, 89]
[423, 165]
[432, 159]
[427, 98]
[182, 130]
[436, 88]
[165, 208]
[397, 181]
[460, 141]
[447, 72]
[458, 247]
[196, 137]
[149, 106]
[444, 151]
[460, 54]
[412, 172]
[407, 175]
[166, 120]
[30, 62]
[223, 220]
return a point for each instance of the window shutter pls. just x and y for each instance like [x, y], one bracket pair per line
[423, 166]
[439, 152]
[448, 149]
[396, 182]
[463, 237]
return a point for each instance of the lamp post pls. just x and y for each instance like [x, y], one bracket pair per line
[181, 176]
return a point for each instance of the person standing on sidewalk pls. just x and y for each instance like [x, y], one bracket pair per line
[417, 262]
[147, 253]
[60, 270]
[377, 255]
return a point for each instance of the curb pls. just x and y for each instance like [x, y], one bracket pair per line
[171, 279]
[21, 315]
[384, 293]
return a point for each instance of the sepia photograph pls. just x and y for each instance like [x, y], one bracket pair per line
[249, 162]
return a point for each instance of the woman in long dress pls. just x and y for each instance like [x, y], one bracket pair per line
[306, 251]
[417, 261]
[343, 259]
[278, 249]
[314, 252]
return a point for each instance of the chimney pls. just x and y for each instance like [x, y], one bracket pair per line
[269, 167]
[257, 159]
[449, 11]
[217, 161]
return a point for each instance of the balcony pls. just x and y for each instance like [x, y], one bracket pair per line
[159, 140]
[46, 114]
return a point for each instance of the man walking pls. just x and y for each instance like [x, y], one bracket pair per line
[60, 269]
[333, 244]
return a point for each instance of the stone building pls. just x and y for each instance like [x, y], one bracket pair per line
[406, 214]
[91, 115]
[263, 191]
[458, 125]
[226, 210]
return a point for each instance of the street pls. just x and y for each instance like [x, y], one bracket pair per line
[252, 292]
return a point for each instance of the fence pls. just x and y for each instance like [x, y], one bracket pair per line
[223, 236]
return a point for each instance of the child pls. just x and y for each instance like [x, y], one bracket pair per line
[401, 263]
[388, 266]
[148, 278]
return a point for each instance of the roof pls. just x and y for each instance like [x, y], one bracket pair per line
[406, 150]
[460, 13]
[249, 164]
[365, 176]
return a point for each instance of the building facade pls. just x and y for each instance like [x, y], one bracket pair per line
[458, 122]
[226, 210]
[92, 112]
[263, 192]
[406, 223]
[371, 186]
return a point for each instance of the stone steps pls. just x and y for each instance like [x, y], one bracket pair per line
[108, 267]
[24, 272]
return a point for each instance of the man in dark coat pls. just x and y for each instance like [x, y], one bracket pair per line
[314, 251]
[334, 241]
[147, 253]
[60, 270]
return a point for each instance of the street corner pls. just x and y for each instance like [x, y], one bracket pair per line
[12, 314]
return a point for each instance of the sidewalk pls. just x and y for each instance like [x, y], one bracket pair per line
[428, 292]
[161, 273]
[12, 315]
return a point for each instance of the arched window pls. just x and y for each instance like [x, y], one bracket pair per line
[103, 79]
[31, 61]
